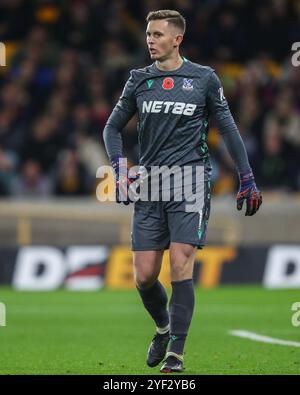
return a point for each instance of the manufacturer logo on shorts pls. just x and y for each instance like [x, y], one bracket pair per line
[187, 84]
[168, 83]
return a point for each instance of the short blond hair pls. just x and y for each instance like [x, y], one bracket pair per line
[173, 17]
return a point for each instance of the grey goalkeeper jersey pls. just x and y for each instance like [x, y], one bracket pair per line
[174, 109]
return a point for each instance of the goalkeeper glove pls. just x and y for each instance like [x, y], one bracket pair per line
[248, 191]
[122, 179]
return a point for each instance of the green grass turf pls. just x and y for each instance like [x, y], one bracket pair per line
[108, 332]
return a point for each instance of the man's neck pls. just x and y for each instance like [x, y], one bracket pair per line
[170, 64]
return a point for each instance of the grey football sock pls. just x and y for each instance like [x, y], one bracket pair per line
[155, 300]
[181, 311]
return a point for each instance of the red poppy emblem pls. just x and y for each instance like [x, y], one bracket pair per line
[168, 83]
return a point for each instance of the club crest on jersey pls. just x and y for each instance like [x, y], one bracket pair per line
[187, 84]
[168, 83]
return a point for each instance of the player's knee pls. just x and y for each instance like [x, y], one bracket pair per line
[182, 266]
[144, 281]
[179, 271]
[181, 260]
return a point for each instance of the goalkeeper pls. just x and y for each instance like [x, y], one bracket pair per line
[174, 99]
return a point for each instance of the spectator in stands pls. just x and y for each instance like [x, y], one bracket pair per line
[90, 153]
[43, 144]
[7, 171]
[287, 117]
[67, 63]
[31, 182]
[275, 165]
[71, 178]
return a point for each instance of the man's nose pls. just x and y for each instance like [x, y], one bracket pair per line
[150, 40]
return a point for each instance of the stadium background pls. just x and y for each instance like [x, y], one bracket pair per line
[66, 65]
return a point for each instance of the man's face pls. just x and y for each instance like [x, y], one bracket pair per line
[162, 39]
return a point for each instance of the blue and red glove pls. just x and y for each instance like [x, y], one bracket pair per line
[248, 191]
[122, 180]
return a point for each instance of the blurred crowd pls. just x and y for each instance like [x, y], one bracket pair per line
[67, 62]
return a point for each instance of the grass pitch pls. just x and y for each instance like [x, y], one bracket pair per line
[108, 332]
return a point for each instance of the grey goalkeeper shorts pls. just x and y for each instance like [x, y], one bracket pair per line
[157, 223]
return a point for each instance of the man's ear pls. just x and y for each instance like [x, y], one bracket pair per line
[178, 40]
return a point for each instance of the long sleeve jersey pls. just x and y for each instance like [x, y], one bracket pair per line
[174, 109]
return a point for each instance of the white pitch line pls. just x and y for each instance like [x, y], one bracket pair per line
[264, 339]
